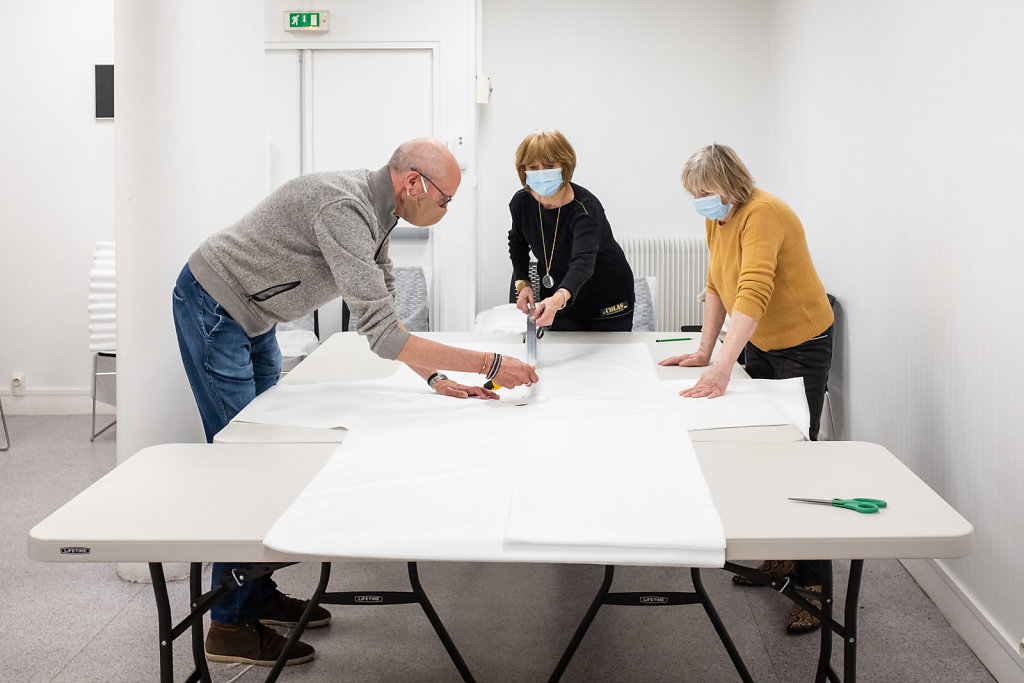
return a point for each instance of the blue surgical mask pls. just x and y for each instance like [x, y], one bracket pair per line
[544, 182]
[712, 207]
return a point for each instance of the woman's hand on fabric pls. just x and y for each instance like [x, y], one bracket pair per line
[524, 302]
[447, 387]
[698, 359]
[711, 384]
[514, 372]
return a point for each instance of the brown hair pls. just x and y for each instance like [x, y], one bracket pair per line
[546, 147]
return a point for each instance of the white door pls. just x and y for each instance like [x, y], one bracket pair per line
[337, 109]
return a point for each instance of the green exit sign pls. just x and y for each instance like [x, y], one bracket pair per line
[307, 21]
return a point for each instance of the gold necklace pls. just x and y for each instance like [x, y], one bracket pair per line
[547, 280]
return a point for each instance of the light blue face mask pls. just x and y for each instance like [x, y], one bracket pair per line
[712, 207]
[544, 182]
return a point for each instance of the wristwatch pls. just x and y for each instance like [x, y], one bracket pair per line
[435, 378]
[521, 285]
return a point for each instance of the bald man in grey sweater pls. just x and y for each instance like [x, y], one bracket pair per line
[317, 237]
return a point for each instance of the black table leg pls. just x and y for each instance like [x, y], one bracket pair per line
[163, 617]
[372, 598]
[581, 630]
[850, 617]
[195, 578]
[716, 621]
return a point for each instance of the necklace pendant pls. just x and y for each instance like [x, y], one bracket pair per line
[548, 281]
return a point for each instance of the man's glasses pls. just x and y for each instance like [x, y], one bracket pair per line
[447, 198]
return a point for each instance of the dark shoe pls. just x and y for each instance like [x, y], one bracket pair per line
[802, 621]
[251, 644]
[281, 610]
[775, 569]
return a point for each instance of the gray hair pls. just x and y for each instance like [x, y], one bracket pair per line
[718, 167]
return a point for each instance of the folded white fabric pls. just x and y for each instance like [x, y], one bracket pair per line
[444, 491]
[747, 403]
[624, 482]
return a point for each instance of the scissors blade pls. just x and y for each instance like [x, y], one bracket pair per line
[819, 501]
[531, 341]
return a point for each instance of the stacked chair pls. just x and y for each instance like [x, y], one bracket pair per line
[103, 330]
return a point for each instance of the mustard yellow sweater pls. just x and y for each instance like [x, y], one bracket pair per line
[761, 267]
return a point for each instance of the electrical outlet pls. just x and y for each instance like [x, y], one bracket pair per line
[18, 383]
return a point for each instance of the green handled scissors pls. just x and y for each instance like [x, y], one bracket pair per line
[865, 505]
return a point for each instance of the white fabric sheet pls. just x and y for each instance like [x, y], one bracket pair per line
[595, 468]
[568, 372]
[747, 403]
[626, 484]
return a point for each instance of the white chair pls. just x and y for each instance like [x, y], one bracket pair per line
[103, 330]
[297, 340]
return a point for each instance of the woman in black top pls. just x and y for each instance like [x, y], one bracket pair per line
[586, 283]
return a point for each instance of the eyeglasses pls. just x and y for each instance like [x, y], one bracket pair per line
[447, 198]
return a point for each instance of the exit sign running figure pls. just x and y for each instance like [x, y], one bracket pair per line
[307, 21]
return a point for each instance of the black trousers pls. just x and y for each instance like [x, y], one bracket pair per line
[810, 360]
[622, 323]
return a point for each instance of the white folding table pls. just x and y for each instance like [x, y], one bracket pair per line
[135, 514]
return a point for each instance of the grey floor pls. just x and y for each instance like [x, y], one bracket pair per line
[80, 622]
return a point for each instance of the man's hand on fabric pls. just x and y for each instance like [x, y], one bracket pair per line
[447, 387]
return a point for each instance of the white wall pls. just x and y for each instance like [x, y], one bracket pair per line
[56, 196]
[190, 152]
[637, 88]
[897, 139]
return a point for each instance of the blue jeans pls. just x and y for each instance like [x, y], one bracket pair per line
[226, 370]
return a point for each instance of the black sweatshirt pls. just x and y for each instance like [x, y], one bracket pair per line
[585, 258]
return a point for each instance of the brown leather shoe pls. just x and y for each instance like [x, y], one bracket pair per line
[251, 644]
[800, 620]
[775, 569]
[282, 610]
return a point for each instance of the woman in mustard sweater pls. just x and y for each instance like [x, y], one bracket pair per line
[761, 274]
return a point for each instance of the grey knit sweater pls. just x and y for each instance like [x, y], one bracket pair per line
[310, 241]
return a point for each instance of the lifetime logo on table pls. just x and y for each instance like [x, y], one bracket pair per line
[653, 600]
[369, 598]
[75, 550]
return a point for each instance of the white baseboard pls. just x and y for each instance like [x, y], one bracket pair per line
[996, 649]
[53, 402]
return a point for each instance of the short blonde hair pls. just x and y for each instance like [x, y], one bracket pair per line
[545, 147]
[718, 168]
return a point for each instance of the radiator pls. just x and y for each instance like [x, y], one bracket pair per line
[680, 266]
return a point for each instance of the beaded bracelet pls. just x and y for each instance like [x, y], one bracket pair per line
[495, 364]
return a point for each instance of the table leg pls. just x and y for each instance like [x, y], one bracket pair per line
[850, 616]
[651, 599]
[373, 598]
[581, 630]
[195, 579]
[163, 617]
[716, 621]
